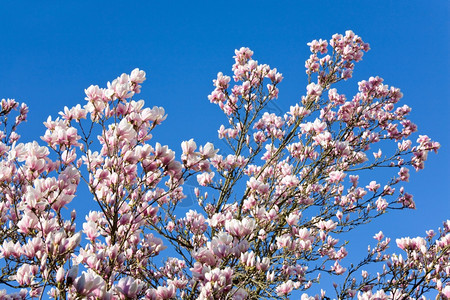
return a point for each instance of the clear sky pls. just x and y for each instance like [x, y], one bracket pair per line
[50, 51]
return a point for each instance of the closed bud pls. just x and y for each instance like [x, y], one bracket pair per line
[74, 241]
[60, 274]
[72, 274]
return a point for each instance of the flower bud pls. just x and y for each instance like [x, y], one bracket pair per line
[72, 274]
[60, 274]
[74, 241]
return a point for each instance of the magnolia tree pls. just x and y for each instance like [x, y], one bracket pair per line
[270, 211]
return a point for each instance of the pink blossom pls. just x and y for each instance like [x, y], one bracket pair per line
[379, 236]
[240, 228]
[60, 274]
[378, 154]
[336, 176]
[25, 274]
[165, 292]
[373, 186]
[337, 268]
[381, 204]
[205, 178]
[404, 174]
[285, 288]
[137, 76]
[129, 287]
[87, 283]
[446, 291]
[326, 225]
[318, 46]
[208, 151]
[314, 89]
[293, 219]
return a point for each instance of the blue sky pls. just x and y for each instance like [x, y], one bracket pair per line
[50, 51]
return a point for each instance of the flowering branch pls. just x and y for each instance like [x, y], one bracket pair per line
[269, 211]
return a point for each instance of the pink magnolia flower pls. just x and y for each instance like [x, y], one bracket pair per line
[88, 283]
[381, 204]
[25, 274]
[137, 76]
[379, 236]
[205, 178]
[166, 292]
[129, 287]
[208, 151]
[314, 89]
[338, 269]
[446, 291]
[318, 46]
[326, 225]
[373, 186]
[404, 174]
[285, 288]
[336, 176]
[240, 228]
